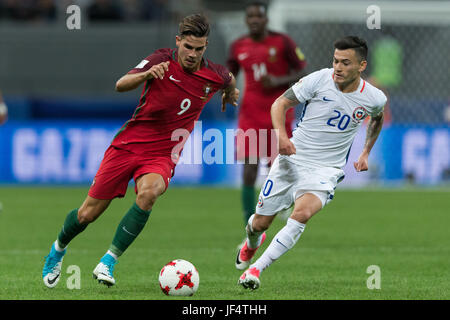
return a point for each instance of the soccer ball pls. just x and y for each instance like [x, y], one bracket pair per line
[179, 278]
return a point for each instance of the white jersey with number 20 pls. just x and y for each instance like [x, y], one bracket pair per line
[330, 118]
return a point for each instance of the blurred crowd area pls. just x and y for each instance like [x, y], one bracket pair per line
[405, 58]
[98, 10]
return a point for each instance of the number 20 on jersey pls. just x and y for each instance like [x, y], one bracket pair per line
[339, 120]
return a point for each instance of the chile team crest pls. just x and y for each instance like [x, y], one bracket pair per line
[359, 114]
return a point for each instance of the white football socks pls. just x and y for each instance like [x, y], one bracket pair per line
[284, 240]
[253, 237]
[58, 247]
[112, 254]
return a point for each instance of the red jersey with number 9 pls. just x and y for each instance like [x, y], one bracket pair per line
[169, 106]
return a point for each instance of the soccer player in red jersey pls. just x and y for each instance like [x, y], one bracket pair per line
[177, 85]
[271, 61]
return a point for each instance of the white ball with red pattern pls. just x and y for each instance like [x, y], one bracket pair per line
[179, 278]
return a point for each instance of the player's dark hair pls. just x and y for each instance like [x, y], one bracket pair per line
[196, 25]
[355, 43]
[257, 4]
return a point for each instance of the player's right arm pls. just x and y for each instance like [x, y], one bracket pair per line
[131, 81]
[278, 113]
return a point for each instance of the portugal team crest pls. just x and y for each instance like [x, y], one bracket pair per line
[272, 54]
[359, 114]
[206, 90]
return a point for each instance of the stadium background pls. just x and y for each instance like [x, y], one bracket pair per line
[63, 110]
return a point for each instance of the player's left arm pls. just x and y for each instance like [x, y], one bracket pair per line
[230, 94]
[373, 130]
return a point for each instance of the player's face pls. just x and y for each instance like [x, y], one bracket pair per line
[190, 51]
[347, 66]
[256, 19]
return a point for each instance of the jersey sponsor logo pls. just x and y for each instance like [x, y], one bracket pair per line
[327, 100]
[141, 64]
[242, 56]
[173, 79]
[359, 114]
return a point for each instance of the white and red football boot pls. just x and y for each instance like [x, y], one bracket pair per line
[250, 279]
[245, 254]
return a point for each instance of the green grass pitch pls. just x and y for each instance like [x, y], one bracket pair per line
[404, 233]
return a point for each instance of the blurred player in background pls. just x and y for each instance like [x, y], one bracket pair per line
[3, 118]
[310, 164]
[3, 110]
[177, 85]
[271, 61]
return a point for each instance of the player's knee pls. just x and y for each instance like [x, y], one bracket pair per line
[146, 197]
[302, 214]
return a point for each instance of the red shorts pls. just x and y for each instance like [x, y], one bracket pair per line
[119, 166]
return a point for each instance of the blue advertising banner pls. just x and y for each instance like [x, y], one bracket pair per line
[417, 154]
[71, 152]
[61, 152]
[53, 152]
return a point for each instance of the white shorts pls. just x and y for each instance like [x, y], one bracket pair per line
[287, 181]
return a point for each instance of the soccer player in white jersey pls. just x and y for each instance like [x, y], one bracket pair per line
[309, 165]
